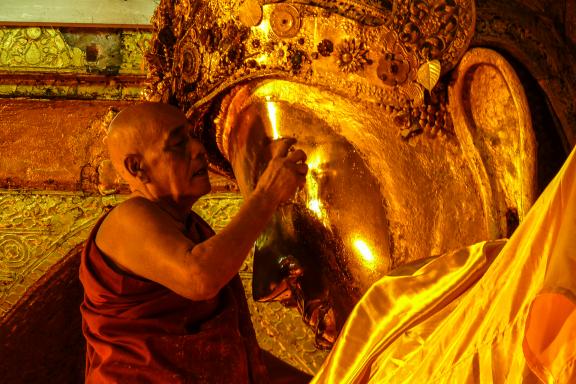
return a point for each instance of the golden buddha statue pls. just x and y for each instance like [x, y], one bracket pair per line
[417, 144]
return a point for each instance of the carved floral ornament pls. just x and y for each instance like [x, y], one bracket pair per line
[202, 47]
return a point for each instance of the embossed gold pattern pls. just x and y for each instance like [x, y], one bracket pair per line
[285, 21]
[52, 49]
[54, 62]
[38, 49]
[36, 230]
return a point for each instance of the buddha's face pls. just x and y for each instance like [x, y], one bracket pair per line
[372, 201]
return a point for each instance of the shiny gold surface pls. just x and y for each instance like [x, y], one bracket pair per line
[494, 312]
[36, 231]
[370, 202]
[483, 127]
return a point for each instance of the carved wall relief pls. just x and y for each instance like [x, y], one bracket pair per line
[72, 63]
[44, 49]
[36, 230]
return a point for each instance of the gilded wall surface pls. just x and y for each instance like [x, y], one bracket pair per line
[53, 144]
[36, 230]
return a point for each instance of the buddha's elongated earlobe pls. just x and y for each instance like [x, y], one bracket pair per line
[492, 121]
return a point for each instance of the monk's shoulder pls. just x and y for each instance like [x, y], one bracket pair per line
[125, 223]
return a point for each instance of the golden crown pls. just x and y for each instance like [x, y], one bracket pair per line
[383, 52]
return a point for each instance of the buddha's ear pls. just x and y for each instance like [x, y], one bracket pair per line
[493, 125]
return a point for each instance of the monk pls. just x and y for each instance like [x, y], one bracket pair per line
[163, 301]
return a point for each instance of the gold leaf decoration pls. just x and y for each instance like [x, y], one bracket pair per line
[250, 13]
[429, 74]
[414, 93]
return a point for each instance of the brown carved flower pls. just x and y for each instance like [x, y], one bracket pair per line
[325, 47]
[392, 69]
[352, 56]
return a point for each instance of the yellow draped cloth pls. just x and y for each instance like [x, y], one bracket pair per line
[496, 312]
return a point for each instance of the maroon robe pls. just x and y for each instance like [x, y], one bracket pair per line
[138, 331]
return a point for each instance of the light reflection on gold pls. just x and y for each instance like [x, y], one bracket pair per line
[364, 250]
[263, 27]
[261, 59]
[272, 116]
[314, 203]
[315, 206]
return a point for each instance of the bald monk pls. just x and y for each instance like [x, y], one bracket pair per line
[163, 302]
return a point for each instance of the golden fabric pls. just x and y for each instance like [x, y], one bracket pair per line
[495, 312]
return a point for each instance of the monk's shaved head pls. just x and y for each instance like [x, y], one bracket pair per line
[138, 127]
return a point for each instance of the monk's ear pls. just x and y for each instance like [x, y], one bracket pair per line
[134, 166]
[493, 125]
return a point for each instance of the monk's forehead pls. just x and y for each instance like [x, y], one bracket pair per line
[162, 123]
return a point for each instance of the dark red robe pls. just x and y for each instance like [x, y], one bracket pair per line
[138, 331]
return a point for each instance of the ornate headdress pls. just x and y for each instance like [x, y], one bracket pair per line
[383, 52]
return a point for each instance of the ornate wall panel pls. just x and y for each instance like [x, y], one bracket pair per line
[72, 63]
[44, 49]
[36, 230]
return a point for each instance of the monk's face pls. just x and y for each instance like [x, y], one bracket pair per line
[175, 162]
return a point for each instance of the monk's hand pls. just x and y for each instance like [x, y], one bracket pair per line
[284, 174]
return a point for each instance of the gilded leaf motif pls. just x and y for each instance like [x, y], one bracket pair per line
[429, 74]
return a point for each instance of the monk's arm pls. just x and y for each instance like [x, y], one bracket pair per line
[215, 261]
[143, 239]
[218, 259]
